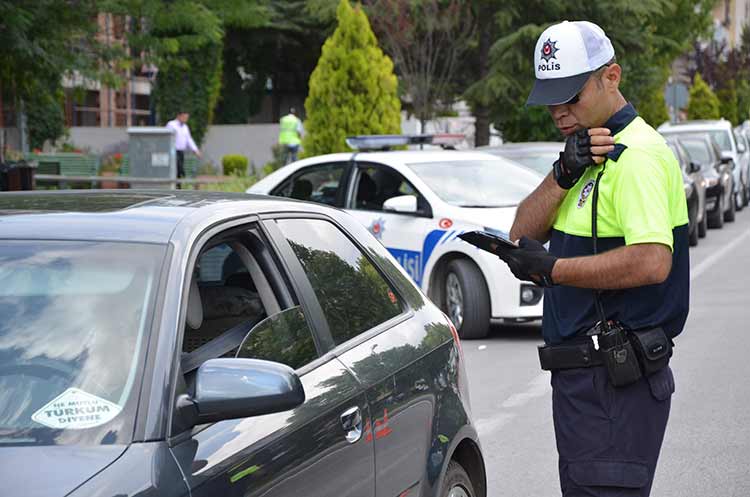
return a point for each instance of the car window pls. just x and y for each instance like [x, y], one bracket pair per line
[284, 337]
[375, 185]
[723, 139]
[315, 184]
[230, 298]
[354, 296]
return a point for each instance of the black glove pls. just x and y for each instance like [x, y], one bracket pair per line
[530, 262]
[574, 160]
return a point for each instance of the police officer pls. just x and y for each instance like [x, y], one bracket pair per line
[617, 180]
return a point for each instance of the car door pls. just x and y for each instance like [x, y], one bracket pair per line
[316, 449]
[403, 234]
[383, 340]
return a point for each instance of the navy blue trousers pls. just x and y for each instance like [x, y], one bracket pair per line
[608, 438]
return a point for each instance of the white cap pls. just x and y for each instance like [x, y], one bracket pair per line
[564, 57]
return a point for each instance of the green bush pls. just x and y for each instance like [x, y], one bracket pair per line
[234, 165]
[353, 90]
[235, 184]
[703, 102]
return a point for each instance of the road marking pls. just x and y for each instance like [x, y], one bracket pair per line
[712, 259]
[538, 387]
[486, 426]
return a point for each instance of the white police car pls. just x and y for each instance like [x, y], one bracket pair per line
[417, 203]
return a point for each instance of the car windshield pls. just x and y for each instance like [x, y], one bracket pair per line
[697, 151]
[723, 138]
[540, 162]
[74, 321]
[478, 183]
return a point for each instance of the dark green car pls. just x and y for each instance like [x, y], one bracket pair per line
[177, 343]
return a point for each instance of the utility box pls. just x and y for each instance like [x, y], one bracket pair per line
[151, 154]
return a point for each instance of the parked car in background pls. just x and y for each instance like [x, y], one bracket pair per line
[195, 344]
[695, 190]
[742, 135]
[717, 171]
[722, 133]
[538, 156]
[417, 203]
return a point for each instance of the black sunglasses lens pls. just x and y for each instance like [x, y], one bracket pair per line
[573, 100]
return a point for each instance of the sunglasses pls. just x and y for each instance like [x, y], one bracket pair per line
[577, 96]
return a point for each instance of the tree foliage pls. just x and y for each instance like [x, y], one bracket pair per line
[653, 108]
[282, 51]
[427, 40]
[185, 40]
[353, 89]
[647, 36]
[42, 41]
[703, 103]
[728, 103]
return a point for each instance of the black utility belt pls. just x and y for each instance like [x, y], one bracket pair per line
[627, 354]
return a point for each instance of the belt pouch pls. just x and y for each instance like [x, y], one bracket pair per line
[653, 349]
[619, 357]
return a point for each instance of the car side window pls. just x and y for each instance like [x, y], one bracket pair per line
[353, 294]
[232, 296]
[375, 185]
[315, 184]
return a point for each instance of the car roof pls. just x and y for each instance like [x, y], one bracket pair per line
[148, 216]
[706, 124]
[398, 157]
[521, 147]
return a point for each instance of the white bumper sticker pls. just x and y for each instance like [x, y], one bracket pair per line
[75, 409]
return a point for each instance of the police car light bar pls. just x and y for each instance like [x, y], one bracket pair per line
[387, 142]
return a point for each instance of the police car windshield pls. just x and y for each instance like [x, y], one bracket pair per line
[74, 321]
[478, 183]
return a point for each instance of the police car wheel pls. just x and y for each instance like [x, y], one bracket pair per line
[457, 482]
[466, 299]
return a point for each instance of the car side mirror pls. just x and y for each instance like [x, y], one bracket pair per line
[727, 159]
[403, 203]
[241, 388]
[695, 167]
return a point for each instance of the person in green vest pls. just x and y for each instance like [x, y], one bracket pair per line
[290, 135]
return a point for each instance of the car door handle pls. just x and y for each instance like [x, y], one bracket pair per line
[351, 422]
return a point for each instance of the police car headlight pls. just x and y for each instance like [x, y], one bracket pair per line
[531, 294]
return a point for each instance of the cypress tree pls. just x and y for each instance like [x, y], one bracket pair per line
[703, 103]
[353, 90]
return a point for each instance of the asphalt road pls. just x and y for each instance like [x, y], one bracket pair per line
[706, 450]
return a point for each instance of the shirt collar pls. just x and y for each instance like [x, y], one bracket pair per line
[621, 119]
[618, 122]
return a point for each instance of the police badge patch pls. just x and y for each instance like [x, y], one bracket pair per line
[585, 192]
[549, 49]
[377, 228]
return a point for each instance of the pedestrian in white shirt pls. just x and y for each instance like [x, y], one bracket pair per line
[182, 141]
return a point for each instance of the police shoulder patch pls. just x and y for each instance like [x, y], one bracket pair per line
[585, 192]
